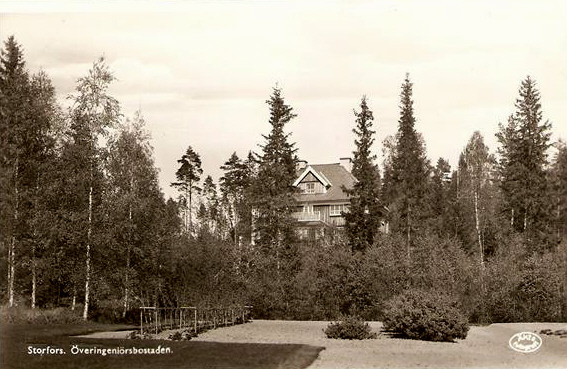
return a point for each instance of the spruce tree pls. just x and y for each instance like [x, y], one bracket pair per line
[273, 189]
[406, 190]
[523, 161]
[365, 211]
[14, 114]
[273, 202]
[559, 191]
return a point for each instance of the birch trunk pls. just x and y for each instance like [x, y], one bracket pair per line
[477, 225]
[34, 277]
[127, 277]
[88, 258]
[74, 303]
[12, 249]
[33, 261]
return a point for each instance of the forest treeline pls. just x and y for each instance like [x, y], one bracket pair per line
[85, 225]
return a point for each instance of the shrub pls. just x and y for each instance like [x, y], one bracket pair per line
[425, 316]
[19, 315]
[176, 336]
[351, 328]
[134, 335]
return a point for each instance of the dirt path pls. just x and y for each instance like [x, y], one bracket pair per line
[485, 347]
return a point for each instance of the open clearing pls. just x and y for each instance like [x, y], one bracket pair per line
[16, 341]
[484, 347]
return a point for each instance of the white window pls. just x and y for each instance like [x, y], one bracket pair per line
[335, 210]
[310, 187]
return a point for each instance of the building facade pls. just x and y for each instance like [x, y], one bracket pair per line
[321, 198]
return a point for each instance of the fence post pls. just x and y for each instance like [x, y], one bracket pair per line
[141, 323]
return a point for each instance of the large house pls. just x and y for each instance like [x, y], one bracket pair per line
[321, 198]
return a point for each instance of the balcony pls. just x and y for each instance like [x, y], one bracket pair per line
[304, 216]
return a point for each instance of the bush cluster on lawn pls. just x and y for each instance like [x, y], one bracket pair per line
[24, 315]
[350, 328]
[425, 316]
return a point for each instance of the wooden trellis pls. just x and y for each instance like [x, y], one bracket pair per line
[156, 319]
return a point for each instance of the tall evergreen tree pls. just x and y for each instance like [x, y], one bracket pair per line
[559, 191]
[40, 155]
[14, 114]
[365, 211]
[440, 198]
[406, 190]
[273, 203]
[523, 161]
[188, 176]
[273, 190]
[210, 213]
[235, 185]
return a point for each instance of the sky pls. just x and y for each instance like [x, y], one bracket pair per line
[201, 72]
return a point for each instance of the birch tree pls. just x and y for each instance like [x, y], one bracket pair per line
[92, 113]
[132, 176]
[475, 168]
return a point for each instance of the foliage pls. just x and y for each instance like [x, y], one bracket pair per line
[365, 212]
[235, 186]
[82, 216]
[272, 207]
[525, 141]
[350, 328]
[425, 315]
[22, 315]
[188, 176]
[406, 185]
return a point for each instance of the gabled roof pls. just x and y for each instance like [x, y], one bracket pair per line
[320, 177]
[334, 174]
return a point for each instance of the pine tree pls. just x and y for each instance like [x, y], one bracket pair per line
[188, 176]
[523, 161]
[365, 211]
[406, 188]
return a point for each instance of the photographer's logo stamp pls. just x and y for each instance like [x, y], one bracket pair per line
[525, 342]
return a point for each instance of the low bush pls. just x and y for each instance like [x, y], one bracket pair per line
[425, 316]
[351, 328]
[19, 315]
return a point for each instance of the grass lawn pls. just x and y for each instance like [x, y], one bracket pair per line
[17, 340]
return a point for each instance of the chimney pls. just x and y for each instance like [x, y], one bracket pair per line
[301, 165]
[346, 163]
